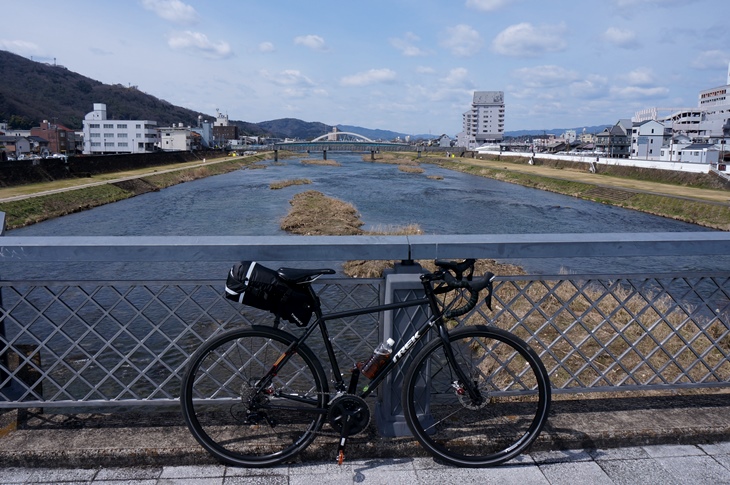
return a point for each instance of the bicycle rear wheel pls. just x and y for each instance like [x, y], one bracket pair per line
[235, 423]
[461, 431]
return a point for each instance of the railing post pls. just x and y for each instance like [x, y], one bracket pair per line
[401, 284]
[324, 154]
[4, 347]
[276, 155]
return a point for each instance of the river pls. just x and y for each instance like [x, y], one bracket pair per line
[241, 203]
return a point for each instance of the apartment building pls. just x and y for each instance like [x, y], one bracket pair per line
[484, 122]
[105, 136]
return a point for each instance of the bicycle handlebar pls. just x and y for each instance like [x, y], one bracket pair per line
[472, 286]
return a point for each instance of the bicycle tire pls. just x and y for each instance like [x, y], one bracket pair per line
[455, 429]
[216, 396]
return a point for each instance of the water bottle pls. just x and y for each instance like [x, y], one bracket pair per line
[380, 357]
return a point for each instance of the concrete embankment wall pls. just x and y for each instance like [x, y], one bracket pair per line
[33, 171]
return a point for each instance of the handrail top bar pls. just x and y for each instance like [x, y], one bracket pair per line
[340, 248]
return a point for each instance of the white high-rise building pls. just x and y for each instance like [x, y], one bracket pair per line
[484, 122]
[102, 135]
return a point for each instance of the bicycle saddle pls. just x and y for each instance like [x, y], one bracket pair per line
[297, 275]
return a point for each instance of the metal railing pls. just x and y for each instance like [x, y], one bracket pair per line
[111, 343]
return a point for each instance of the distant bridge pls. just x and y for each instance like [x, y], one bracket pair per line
[342, 141]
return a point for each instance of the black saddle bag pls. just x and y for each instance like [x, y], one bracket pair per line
[256, 285]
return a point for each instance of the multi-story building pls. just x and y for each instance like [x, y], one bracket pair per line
[708, 122]
[105, 136]
[648, 138]
[484, 122]
[60, 139]
[223, 131]
[615, 141]
[176, 138]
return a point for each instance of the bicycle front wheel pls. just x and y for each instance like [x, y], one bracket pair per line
[233, 417]
[509, 412]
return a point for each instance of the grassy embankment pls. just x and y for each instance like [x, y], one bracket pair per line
[708, 214]
[36, 209]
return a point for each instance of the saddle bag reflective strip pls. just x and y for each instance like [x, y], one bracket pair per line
[248, 278]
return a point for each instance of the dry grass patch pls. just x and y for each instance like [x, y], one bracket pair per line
[435, 177]
[314, 214]
[328, 163]
[288, 183]
[410, 169]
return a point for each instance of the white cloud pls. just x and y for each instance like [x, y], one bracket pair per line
[545, 76]
[425, 70]
[487, 5]
[266, 47]
[592, 87]
[639, 77]
[651, 3]
[369, 77]
[406, 45]
[456, 76]
[172, 10]
[527, 40]
[621, 37]
[462, 40]
[711, 60]
[287, 77]
[20, 47]
[312, 41]
[197, 42]
[638, 92]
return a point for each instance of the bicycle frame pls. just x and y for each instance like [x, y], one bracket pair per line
[435, 320]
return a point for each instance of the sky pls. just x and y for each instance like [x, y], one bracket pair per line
[409, 66]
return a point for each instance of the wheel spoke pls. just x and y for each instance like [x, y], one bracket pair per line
[240, 423]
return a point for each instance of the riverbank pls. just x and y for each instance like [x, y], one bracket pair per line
[28, 204]
[708, 207]
[696, 201]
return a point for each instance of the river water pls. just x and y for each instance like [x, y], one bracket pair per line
[241, 203]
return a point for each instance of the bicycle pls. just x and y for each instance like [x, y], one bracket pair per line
[474, 396]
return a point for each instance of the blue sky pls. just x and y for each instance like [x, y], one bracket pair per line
[405, 65]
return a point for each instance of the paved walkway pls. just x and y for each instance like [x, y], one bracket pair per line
[19, 192]
[666, 465]
[645, 186]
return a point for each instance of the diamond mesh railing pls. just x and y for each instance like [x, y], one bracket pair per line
[64, 344]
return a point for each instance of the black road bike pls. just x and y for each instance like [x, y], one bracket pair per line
[473, 395]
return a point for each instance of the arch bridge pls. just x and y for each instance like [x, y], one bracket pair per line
[341, 141]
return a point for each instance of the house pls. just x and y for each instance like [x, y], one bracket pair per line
[443, 141]
[615, 141]
[647, 139]
[104, 136]
[14, 146]
[175, 138]
[683, 151]
[39, 146]
[60, 139]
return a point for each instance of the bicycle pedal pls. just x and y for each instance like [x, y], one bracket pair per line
[340, 457]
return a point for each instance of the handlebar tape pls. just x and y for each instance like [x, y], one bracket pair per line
[473, 288]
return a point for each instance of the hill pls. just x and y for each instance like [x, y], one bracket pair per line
[31, 92]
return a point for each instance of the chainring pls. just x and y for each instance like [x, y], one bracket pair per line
[348, 406]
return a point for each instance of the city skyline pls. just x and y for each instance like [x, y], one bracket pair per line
[407, 66]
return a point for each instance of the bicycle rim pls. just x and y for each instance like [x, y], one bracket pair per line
[231, 420]
[468, 433]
